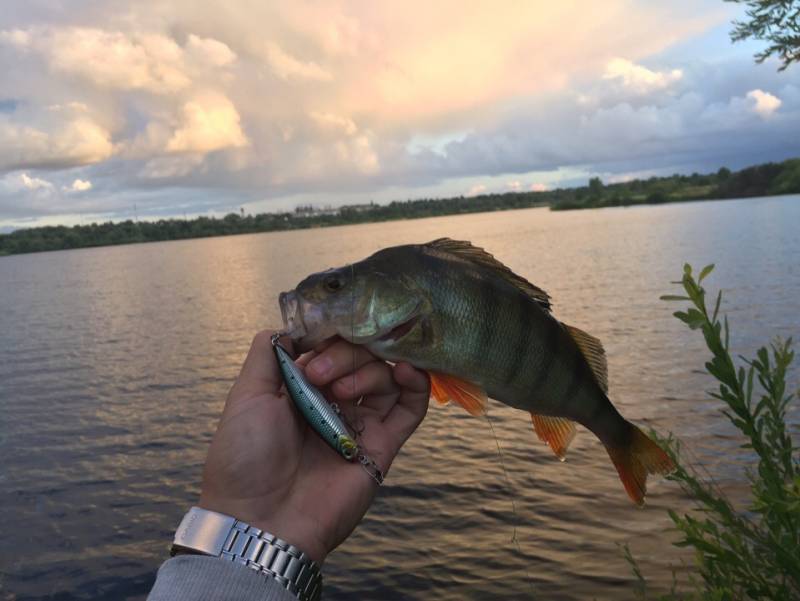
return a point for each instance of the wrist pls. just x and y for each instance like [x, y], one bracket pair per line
[298, 533]
[215, 534]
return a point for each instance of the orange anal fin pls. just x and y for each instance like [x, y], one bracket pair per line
[636, 460]
[557, 432]
[445, 388]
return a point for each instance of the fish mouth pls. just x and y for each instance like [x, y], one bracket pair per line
[290, 313]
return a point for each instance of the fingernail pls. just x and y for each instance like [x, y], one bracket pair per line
[321, 365]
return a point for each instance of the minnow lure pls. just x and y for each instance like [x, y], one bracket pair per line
[323, 417]
[317, 411]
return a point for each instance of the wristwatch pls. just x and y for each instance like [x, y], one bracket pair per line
[207, 532]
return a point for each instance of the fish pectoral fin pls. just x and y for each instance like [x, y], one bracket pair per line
[594, 353]
[446, 388]
[557, 432]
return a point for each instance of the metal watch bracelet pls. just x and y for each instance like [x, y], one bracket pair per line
[211, 533]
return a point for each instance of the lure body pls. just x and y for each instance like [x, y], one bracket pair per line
[315, 409]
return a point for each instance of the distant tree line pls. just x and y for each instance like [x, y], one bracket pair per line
[768, 179]
[761, 180]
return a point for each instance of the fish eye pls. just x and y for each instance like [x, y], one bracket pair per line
[333, 282]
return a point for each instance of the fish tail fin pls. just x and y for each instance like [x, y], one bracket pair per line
[635, 459]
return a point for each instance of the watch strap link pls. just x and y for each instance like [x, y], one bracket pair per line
[270, 555]
[219, 535]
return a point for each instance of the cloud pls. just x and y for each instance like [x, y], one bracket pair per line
[210, 51]
[538, 187]
[71, 142]
[250, 101]
[640, 79]
[335, 123]
[210, 122]
[121, 60]
[477, 190]
[765, 103]
[515, 186]
[108, 58]
[78, 185]
[286, 66]
[34, 183]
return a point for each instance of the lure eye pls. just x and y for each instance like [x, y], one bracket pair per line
[348, 447]
[333, 283]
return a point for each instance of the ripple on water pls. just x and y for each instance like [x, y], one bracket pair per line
[115, 362]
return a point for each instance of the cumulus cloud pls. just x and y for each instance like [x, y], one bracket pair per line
[210, 122]
[108, 58]
[765, 104]
[640, 79]
[538, 187]
[267, 99]
[287, 66]
[78, 185]
[476, 190]
[78, 141]
[121, 60]
[34, 183]
[335, 123]
[210, 51]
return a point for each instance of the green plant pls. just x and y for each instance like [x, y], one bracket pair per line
[752, 553]
[774, 21]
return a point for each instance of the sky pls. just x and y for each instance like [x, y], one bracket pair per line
[146, 109]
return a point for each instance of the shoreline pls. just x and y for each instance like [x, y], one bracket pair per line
[765, 180]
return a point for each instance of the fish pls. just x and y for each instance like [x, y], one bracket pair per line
[480, 331]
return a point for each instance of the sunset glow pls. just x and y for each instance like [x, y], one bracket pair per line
[265, 105]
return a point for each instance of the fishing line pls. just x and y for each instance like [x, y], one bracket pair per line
[512, 494]
[359, 426]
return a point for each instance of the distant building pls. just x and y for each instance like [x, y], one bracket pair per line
[312, 211]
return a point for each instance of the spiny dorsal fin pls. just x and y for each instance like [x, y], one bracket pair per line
[557, 432]
[446, 388]
[473, 254]
[593, 352]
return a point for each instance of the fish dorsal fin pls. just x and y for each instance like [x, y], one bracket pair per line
[446, 388]
[478, 256]
[557, 432]
[593, 352]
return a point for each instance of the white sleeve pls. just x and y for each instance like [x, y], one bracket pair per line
[203, 578]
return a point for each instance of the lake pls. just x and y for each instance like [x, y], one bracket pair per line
[115, 362]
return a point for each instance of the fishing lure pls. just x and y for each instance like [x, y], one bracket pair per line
[323, 417]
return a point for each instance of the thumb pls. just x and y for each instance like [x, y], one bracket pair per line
[260, 373]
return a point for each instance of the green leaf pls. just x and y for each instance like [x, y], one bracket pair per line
[706, 270]
[695, 319]
[673, 297]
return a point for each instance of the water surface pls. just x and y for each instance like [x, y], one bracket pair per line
[115, 362]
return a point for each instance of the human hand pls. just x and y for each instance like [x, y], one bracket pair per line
[267, 467]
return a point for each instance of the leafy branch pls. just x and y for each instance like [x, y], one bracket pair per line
[753, 554]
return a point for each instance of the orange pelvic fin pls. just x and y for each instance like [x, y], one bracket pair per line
[446, 388]
[438, 392]
[557, 432]
[640, 457]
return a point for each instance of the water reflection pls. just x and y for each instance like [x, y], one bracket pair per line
[114, 364]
